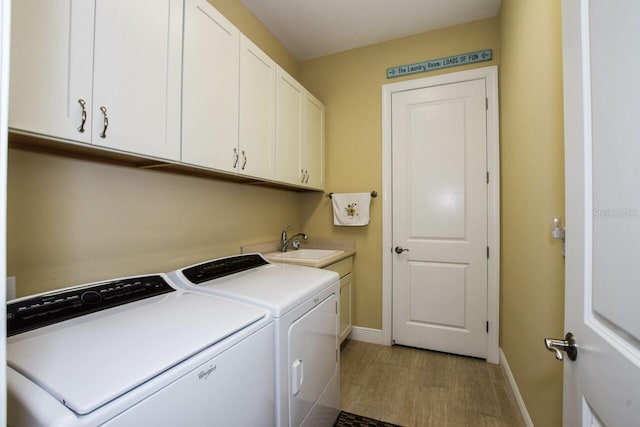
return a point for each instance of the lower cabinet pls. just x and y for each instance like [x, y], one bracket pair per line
[344, 269]
[345, 306]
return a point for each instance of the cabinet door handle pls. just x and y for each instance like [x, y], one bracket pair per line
[302, 173]
[306, 172]
[235, 157]
[244, 156]
[84, 115]
[103, 134]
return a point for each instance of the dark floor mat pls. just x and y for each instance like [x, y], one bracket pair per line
[347, 419]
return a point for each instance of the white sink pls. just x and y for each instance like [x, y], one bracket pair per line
[311, 257]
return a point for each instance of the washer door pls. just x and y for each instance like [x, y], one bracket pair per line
[313, 357]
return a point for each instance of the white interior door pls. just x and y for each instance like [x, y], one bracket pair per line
[602, 149]
[439, 151]
[5, 13]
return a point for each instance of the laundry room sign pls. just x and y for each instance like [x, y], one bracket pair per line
[435, 64]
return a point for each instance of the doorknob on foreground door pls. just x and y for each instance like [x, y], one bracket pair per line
[399, 250]
[567, 345]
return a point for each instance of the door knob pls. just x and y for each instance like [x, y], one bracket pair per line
[567, 345]
[399, 250]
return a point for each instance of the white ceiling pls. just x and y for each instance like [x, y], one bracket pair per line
[314, 28]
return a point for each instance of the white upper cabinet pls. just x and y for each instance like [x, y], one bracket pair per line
[289, 104]
[299, 134]
[137, 72]
[168, 79]
[257, 131]
[52, 68]
[313, 142]
[210, 88]
[78, 67]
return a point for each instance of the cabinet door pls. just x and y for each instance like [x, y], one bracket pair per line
[313, 142]
[289, 103]
[345, 306]
[137, 71]
[210, 88]
[257, 134]
[51, 67]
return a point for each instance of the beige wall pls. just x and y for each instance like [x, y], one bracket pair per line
[349, 84]
[74, 221]
[532, 193]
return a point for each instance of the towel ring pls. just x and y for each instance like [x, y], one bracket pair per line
[373, 194]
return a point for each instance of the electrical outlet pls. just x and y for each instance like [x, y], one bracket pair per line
[11, 288]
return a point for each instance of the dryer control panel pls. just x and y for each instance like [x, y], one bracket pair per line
[222, 267]
[45, 309]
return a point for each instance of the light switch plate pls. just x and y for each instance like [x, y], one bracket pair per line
[11, 288]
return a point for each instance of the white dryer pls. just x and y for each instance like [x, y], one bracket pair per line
[304, 304]
[137, 351]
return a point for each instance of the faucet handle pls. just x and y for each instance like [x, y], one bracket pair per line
[283, 236]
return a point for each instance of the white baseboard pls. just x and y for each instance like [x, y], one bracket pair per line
[514, 387]
[360, 333]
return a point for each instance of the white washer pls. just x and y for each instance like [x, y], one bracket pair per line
[303, 302]
[137, 351]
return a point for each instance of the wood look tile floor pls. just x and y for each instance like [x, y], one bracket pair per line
[421, 388]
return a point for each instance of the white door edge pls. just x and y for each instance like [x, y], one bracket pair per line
[5, 24]
[490, 74]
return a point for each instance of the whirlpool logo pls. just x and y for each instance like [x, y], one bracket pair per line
[204, 374]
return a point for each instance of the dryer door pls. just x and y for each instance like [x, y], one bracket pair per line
[313, 358]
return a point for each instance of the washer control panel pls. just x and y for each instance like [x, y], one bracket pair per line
[45, 309]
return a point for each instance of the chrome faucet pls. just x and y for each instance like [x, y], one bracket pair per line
[284, 241]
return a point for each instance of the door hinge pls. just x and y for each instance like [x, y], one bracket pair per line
[487, 177]
[487, 327]
[486, 103]
[487, 251]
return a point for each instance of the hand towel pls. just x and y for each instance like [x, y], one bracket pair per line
[351, 209]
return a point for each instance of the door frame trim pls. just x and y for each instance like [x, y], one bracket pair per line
[490, 75]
